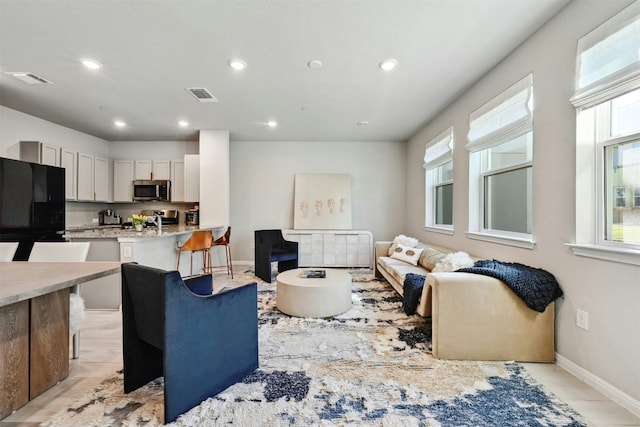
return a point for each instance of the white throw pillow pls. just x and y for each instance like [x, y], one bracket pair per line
[454, 261]
[407, 254]
[410, 242]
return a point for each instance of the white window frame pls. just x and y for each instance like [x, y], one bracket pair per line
[593, 133]
[438, 151]
[502, 119]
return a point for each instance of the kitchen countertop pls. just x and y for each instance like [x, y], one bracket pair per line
[22, 280]
[122, 235]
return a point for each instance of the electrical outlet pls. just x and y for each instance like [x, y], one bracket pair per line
[582, 319]
[126, 251]
[94, 220]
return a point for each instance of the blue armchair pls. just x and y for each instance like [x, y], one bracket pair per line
[270, 246]
[200, 342]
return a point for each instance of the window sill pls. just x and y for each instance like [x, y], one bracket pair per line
[448, 231]
[625, 256]
[503, 240]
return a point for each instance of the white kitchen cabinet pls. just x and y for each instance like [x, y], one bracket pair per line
[177, 180]
[68, 160]
[123, 173]
[143, 169]
[85, 177]
[93, 178]
[101, 179]
[192, 177]
[40, 152]
[162, 169]
[332, 248]
[153, 169]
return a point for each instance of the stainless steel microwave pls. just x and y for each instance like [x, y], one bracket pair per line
[152, 190]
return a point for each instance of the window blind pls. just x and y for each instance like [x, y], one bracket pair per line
[502, 119]
[608, 59]
[439, 150]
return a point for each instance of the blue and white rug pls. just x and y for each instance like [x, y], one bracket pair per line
[370, 366]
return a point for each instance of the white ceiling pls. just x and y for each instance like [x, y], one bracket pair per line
[152, 50]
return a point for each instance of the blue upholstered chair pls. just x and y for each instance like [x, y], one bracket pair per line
[270, 247]
[200, 342]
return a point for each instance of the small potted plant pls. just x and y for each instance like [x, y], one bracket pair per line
[138, 221]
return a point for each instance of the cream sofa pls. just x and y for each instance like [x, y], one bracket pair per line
[474, 317]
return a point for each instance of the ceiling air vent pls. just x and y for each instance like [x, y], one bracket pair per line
[29, 78]
[202, 94]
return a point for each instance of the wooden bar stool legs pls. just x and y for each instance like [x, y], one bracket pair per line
[225, 241]
[200, 241]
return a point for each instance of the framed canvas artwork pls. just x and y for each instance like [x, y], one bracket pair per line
[322, 202]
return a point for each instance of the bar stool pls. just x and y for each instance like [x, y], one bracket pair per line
[200, 241]
[224, 240]
[66, 252]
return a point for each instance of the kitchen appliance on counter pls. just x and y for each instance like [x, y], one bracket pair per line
[109, 217]
[146, 190]
[168, 216]
[192, 217]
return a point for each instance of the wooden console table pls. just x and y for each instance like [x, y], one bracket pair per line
[34, 325]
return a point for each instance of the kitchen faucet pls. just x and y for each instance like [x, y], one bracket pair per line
[157, 220]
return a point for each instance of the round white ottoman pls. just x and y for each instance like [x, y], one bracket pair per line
[322, 297]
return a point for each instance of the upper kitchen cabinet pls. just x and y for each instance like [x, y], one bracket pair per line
[93, 178]
[152, 169]
[68, 160]
[123, 173]
[40, 152]
[191, 178]
[177, 180]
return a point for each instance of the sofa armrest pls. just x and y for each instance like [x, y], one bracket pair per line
[380, 248]
[477, 317]
[200, 285]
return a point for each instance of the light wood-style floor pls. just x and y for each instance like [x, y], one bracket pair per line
[101, 355]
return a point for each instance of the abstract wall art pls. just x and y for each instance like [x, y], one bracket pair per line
[322, 202]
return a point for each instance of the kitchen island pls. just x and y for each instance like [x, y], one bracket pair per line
[148, 247]
[34, 325]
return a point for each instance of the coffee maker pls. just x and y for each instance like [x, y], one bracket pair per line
[109, 217]
[192, 217]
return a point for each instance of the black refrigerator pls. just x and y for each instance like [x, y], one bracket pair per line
[32, 204]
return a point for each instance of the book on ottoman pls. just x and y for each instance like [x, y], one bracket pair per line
[315, 274]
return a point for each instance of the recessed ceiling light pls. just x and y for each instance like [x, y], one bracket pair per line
[183, 123]
[272, 123]
[388, 64]
[314, 63]
[91, 64]
[363, 123]
[119, 123]
[237, 64]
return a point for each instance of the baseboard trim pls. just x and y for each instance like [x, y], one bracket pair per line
[623, 399]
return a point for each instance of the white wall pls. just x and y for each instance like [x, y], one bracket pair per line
[151, 150]
[262, 185]
[214, 178]
[608, 291]
[16, 126]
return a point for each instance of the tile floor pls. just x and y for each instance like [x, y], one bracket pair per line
[101, 355]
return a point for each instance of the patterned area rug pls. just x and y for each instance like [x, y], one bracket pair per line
[370, 366]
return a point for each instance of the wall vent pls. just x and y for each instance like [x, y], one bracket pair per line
[202, 94]
[29, 78]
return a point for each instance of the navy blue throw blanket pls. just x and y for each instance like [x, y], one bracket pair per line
[535, 286]
[411, 291]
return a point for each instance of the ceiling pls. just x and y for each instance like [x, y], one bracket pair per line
[151, 51]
